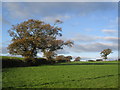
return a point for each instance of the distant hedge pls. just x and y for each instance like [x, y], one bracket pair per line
[12, 63]
[15, 62]
[99, 60]
[61, 61]
[38, 61]
[91, 61]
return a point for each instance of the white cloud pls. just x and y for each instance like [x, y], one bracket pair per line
[17, 11]
[33, 9]
[62, 51]
[52, 19]
[111, 38]
[109, 31]
[93, 47]
[84, 38]
[4, 50]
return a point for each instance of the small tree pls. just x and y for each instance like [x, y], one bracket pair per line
[105, 53]
[77, 59]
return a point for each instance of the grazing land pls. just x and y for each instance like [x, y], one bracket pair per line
[63, 75]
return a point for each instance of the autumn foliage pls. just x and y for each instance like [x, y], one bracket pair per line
[77, 59]
[32, 36]
[62, 58]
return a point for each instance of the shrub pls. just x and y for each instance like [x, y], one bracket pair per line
[61, 61]
[30, 61]
[91, 60]
[99, 60]
[15, 62]
[7, 62]
[38, 61]
[77, 59]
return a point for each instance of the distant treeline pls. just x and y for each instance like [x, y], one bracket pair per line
[21, 62]
[24, 62]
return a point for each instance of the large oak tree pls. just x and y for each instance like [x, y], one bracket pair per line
[31, 36]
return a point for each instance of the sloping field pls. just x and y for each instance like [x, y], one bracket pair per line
[62, 76]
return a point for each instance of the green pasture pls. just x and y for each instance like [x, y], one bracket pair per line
[67, 75]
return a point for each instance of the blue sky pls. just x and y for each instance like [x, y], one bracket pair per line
[92, 26]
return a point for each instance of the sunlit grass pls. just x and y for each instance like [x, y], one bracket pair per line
[7, 57]
[62, 76]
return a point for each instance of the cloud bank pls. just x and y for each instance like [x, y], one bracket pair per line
[53, 10]
[93, 47]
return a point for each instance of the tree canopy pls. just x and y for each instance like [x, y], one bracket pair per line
[32, 35]
[105, 53]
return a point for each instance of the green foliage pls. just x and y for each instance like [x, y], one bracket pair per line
[91, 60]
[62, 76]
[105, 53]
[99, 60]
[24, 62]
[12, 62]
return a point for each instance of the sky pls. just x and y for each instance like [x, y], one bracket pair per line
[92, 26]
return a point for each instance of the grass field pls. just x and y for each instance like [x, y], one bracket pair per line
[67, 75]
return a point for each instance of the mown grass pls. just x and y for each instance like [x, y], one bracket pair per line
[62, 76]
